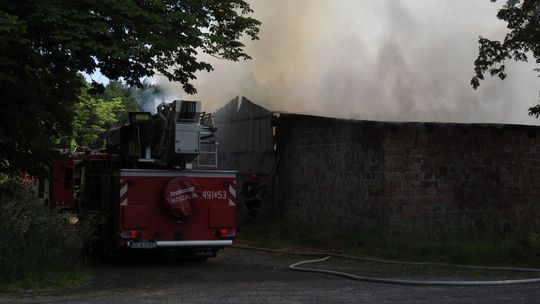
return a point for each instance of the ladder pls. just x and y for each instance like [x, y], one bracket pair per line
[208, 146]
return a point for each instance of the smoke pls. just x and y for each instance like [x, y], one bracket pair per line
[399, 60]
[149, 96]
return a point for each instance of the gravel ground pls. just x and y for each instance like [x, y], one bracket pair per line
[242, 276]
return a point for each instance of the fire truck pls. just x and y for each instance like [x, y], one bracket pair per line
[156, 185]
[61, 187]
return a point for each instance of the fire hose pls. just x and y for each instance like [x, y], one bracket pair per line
[327, 255]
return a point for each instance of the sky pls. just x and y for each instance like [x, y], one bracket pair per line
[395, 60]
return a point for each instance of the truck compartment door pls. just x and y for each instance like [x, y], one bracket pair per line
[222, 216]
[134, 217]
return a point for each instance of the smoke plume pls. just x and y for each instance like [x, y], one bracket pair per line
[398, 60]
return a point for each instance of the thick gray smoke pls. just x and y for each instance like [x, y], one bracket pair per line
[400, 60]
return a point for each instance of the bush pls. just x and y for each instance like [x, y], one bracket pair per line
[34, 241]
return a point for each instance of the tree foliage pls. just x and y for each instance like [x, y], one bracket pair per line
[44, 45]
[523, 40]
[93, 116]
[119, 90]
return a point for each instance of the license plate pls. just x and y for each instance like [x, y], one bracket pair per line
[142, 245]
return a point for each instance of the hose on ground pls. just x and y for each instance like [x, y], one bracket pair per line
[328, 255]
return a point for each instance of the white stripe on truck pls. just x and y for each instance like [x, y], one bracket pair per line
[123, 190]
[232, 191]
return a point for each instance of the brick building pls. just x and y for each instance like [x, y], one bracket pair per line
[431, 177]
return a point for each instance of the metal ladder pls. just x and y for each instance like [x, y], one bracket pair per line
[208, 145]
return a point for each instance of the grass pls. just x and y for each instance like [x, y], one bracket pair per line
[37, 250]
[476, 249]
[47, 282]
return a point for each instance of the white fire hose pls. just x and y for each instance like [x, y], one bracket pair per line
[296, 267]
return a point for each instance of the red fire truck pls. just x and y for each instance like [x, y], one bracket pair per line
[159, 187]
[62, 192]
[62, 185]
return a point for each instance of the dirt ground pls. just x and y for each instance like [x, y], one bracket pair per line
[243, 276]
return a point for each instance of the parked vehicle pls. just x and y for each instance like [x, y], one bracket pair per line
[155, 186]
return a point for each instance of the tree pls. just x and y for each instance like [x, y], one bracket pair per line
[44, 45]
[523, 40]
[93, 116]
[117, 89]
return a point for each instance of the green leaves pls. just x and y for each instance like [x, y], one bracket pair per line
[93, 116]
[45, 44]
[523, 20]
[34, 239]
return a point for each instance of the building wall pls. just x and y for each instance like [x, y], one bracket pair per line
[418, 177]
[245, 137]
[246, 145]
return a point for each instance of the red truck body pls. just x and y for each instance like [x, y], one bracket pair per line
[145, 221]
[66, 177]
[62, 194]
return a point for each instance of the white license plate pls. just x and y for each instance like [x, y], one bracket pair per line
[142, 245]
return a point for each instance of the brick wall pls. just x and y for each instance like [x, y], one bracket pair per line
[426, 177]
